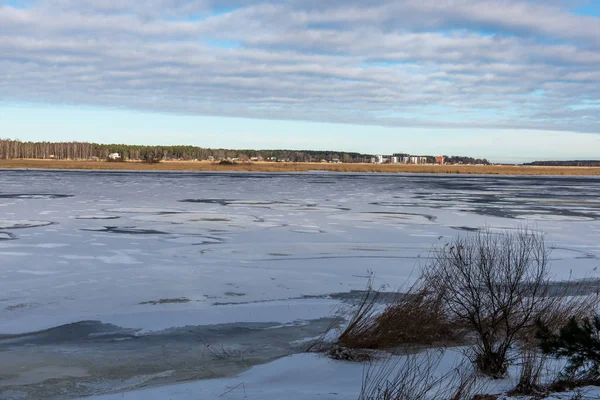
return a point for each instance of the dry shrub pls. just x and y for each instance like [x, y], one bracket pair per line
[416, 377]
[361, 320]
[531, 365]
[416, 317]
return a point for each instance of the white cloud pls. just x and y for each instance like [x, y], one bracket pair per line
[431, 63]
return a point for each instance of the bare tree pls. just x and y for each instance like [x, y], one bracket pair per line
[497, 285]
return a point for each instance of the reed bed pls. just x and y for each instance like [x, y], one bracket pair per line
[298, 167]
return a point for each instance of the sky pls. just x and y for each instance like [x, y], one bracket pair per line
[510, 80]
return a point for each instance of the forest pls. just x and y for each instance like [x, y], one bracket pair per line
[572, 163]
[16, 149]
[13, 149]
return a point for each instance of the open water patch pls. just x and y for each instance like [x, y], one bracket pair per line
[78, 332]
[110, 358]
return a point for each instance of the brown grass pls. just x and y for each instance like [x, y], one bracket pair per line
[416, 318]
[299, 167]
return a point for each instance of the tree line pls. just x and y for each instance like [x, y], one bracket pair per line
[465, 160]
[572, 163]
[86, 151]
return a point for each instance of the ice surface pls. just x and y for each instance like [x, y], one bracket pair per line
[309, 377]
[6, 236]
[270, 237]
[299, 377]
[546, 217]
[83, 245]
[99, 216]
[18, 224]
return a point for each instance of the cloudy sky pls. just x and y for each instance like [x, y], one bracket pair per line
[510, 80]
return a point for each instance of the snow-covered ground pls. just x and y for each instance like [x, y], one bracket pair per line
[149, 252]
[311, 377]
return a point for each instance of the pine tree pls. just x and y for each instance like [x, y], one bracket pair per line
[579, 343]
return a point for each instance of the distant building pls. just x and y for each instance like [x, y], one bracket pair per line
[413, 160]
[440, 160]
[394, 160]
[405, 159]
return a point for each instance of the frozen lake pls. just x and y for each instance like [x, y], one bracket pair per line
[152, 258]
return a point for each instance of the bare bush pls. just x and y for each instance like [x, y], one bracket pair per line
[531, 365]
[414, 317]
[498, 285]
[495, 285]
[416, 377]
[487, 289]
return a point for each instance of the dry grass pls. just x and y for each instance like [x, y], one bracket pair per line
[417, 317]
[417, 377]
[300, 167]
[531, 365]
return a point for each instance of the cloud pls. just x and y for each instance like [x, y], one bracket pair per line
[443, 63]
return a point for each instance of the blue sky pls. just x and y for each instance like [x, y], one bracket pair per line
[511, 80]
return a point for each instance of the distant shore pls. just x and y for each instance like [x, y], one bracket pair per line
[298, 167]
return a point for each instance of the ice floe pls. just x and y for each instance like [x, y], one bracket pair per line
[19, 224]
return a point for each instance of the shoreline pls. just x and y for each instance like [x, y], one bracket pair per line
[199, 166]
